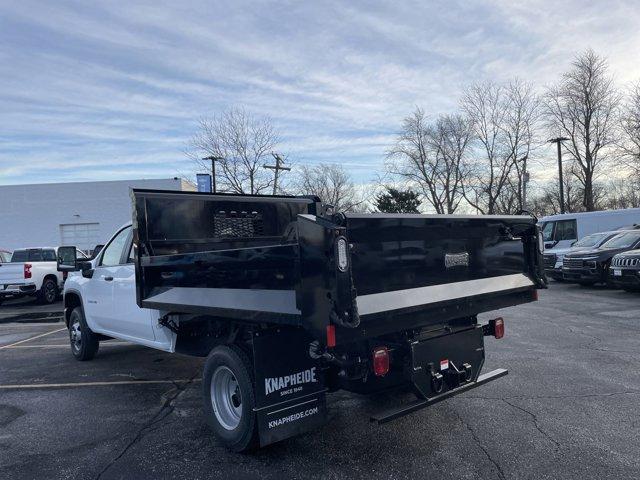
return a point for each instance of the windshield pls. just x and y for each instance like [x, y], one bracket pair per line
[591, 240]
[547, 231]
[624, 240]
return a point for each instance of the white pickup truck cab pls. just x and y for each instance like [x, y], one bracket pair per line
[100, 300]
[32, 271]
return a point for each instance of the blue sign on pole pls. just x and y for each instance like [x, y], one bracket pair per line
[204, 182]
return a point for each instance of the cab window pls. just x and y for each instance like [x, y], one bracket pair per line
[565, 230]
[113, 252]
[131, 258]
[48, 255]
[547, 231]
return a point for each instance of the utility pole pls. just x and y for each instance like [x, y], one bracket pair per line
[525, 180]
[558, 141]
[276, 168]
[213, 159]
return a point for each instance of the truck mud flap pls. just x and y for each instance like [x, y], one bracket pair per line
[401, 411]
[290, 392]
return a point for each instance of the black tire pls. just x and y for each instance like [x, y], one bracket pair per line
[242, 436]
[48, 292]
[86, 345]
[586, 284]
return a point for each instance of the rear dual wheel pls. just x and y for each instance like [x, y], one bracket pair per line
[48, 292]
[229, 398]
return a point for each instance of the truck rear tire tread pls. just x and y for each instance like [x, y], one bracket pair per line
[244, 437]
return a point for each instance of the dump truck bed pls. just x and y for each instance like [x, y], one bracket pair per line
[276, 260]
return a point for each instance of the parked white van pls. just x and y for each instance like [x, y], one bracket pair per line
[560, 231]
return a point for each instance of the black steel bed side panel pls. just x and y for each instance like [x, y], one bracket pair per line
[186, 262]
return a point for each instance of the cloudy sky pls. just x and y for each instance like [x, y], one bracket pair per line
[93, 91]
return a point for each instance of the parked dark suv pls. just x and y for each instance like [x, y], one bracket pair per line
[625, 270]
[588, 267]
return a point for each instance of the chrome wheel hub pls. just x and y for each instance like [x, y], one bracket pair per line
[50, 292]
[75, 335]
[226, 398]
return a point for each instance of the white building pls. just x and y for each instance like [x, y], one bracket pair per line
[79, 213]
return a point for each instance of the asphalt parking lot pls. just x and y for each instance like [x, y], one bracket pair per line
[568, 409]
[28, 310]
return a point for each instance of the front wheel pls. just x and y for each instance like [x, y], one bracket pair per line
[84, 343]
[229, 398]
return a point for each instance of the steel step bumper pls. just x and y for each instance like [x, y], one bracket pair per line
[393, 413]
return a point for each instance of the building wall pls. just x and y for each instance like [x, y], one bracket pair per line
[87, 212]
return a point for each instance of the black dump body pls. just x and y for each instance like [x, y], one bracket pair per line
[276, 260]
[360, 302]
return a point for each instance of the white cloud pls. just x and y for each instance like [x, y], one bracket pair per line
[107, 87]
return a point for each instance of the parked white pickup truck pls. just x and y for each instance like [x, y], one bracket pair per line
[32, 271]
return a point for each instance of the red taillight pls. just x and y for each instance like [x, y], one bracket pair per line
[534, 295]
[498, 328]
[64, 275]
[380, 361]
[27, 270]
[331, 335]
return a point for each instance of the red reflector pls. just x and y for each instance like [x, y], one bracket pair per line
[27, 270]
[498, 328]
[534, 295]
[64, 275]
[331, 335]
[380, 361]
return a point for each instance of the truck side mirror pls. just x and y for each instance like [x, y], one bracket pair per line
[66, 259]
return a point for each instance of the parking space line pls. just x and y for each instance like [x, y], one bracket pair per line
[32, 338]
[93, 384]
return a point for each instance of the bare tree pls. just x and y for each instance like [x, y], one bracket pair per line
[331, 183]
[433, 158]
[505, 121]
[242, 144]
[547, 202]
[582, 107]
[521, 136]
[487, 110]
[629, 143]
[622, 193]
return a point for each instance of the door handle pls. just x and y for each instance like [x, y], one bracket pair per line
[108, 279]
